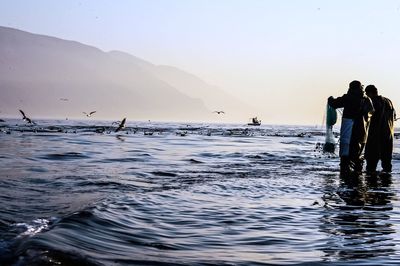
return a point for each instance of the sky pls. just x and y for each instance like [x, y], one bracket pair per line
[283, 57]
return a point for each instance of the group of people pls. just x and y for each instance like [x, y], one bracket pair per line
[367, 123]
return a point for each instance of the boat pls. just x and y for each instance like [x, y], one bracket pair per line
[254, 122]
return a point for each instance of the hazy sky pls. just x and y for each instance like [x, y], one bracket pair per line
[284, 57]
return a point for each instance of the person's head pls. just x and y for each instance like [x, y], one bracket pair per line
[356, 88]
[371, 91]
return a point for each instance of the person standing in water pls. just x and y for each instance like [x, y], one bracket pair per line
[380, 134]
[357, 110]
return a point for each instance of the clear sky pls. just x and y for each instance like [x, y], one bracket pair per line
[284, 57]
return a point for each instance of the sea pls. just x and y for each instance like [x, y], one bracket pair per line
[79, 193]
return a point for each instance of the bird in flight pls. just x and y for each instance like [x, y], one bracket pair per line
[219, 112]
[64, 99]
[121, 125]
[27, 119]
[89, 114]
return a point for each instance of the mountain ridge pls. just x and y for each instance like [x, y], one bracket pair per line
[37, 70]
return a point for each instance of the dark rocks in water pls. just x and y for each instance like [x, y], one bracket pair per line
[100, 130]
[302, 135]
[194, 161]
[53, 129]
[2, 121]
[161, 173]
[181, 133]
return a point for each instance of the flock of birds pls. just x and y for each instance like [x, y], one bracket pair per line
[121, 124]
[29, 121]
[118, 126]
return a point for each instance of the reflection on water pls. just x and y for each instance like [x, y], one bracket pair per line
[357, 218]
[176, 194]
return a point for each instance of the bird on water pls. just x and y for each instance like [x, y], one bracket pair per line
[25, 118]
[121, 125]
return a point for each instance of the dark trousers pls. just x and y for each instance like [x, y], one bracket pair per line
[353, 162]
[382, 151]
[386, 165]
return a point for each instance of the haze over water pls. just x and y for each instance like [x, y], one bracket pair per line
[75, 193]
[284, 58]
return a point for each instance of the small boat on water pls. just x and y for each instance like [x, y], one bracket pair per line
[254, 122]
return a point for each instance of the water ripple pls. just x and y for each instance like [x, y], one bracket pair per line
[79, 194]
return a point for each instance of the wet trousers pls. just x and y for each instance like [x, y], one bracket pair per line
[354, 161]
[379, 150]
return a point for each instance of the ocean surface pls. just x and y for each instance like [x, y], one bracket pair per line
[77, 193]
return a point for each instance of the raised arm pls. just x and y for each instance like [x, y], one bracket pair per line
[336, 103]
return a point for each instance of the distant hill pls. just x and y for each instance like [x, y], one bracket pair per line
[53, 78]
[188, 84]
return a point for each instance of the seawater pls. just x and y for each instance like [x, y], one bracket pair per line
[77, 193]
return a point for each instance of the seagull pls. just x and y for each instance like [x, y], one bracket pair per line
[219, 112]
[64, 99]
[27, 119]
[89, 114]
[121, 125]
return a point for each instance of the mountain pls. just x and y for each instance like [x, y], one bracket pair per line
[189, 84]
[53, 78]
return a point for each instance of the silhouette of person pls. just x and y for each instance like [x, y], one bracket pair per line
[381, 133]
[357, 110]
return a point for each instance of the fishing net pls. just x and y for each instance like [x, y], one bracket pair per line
[331, 118]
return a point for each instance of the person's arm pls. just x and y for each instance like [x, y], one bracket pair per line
[368, 107]
[336, 103]
[393, 110]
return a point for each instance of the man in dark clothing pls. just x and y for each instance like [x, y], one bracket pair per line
[357, 110]
[381, 132]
